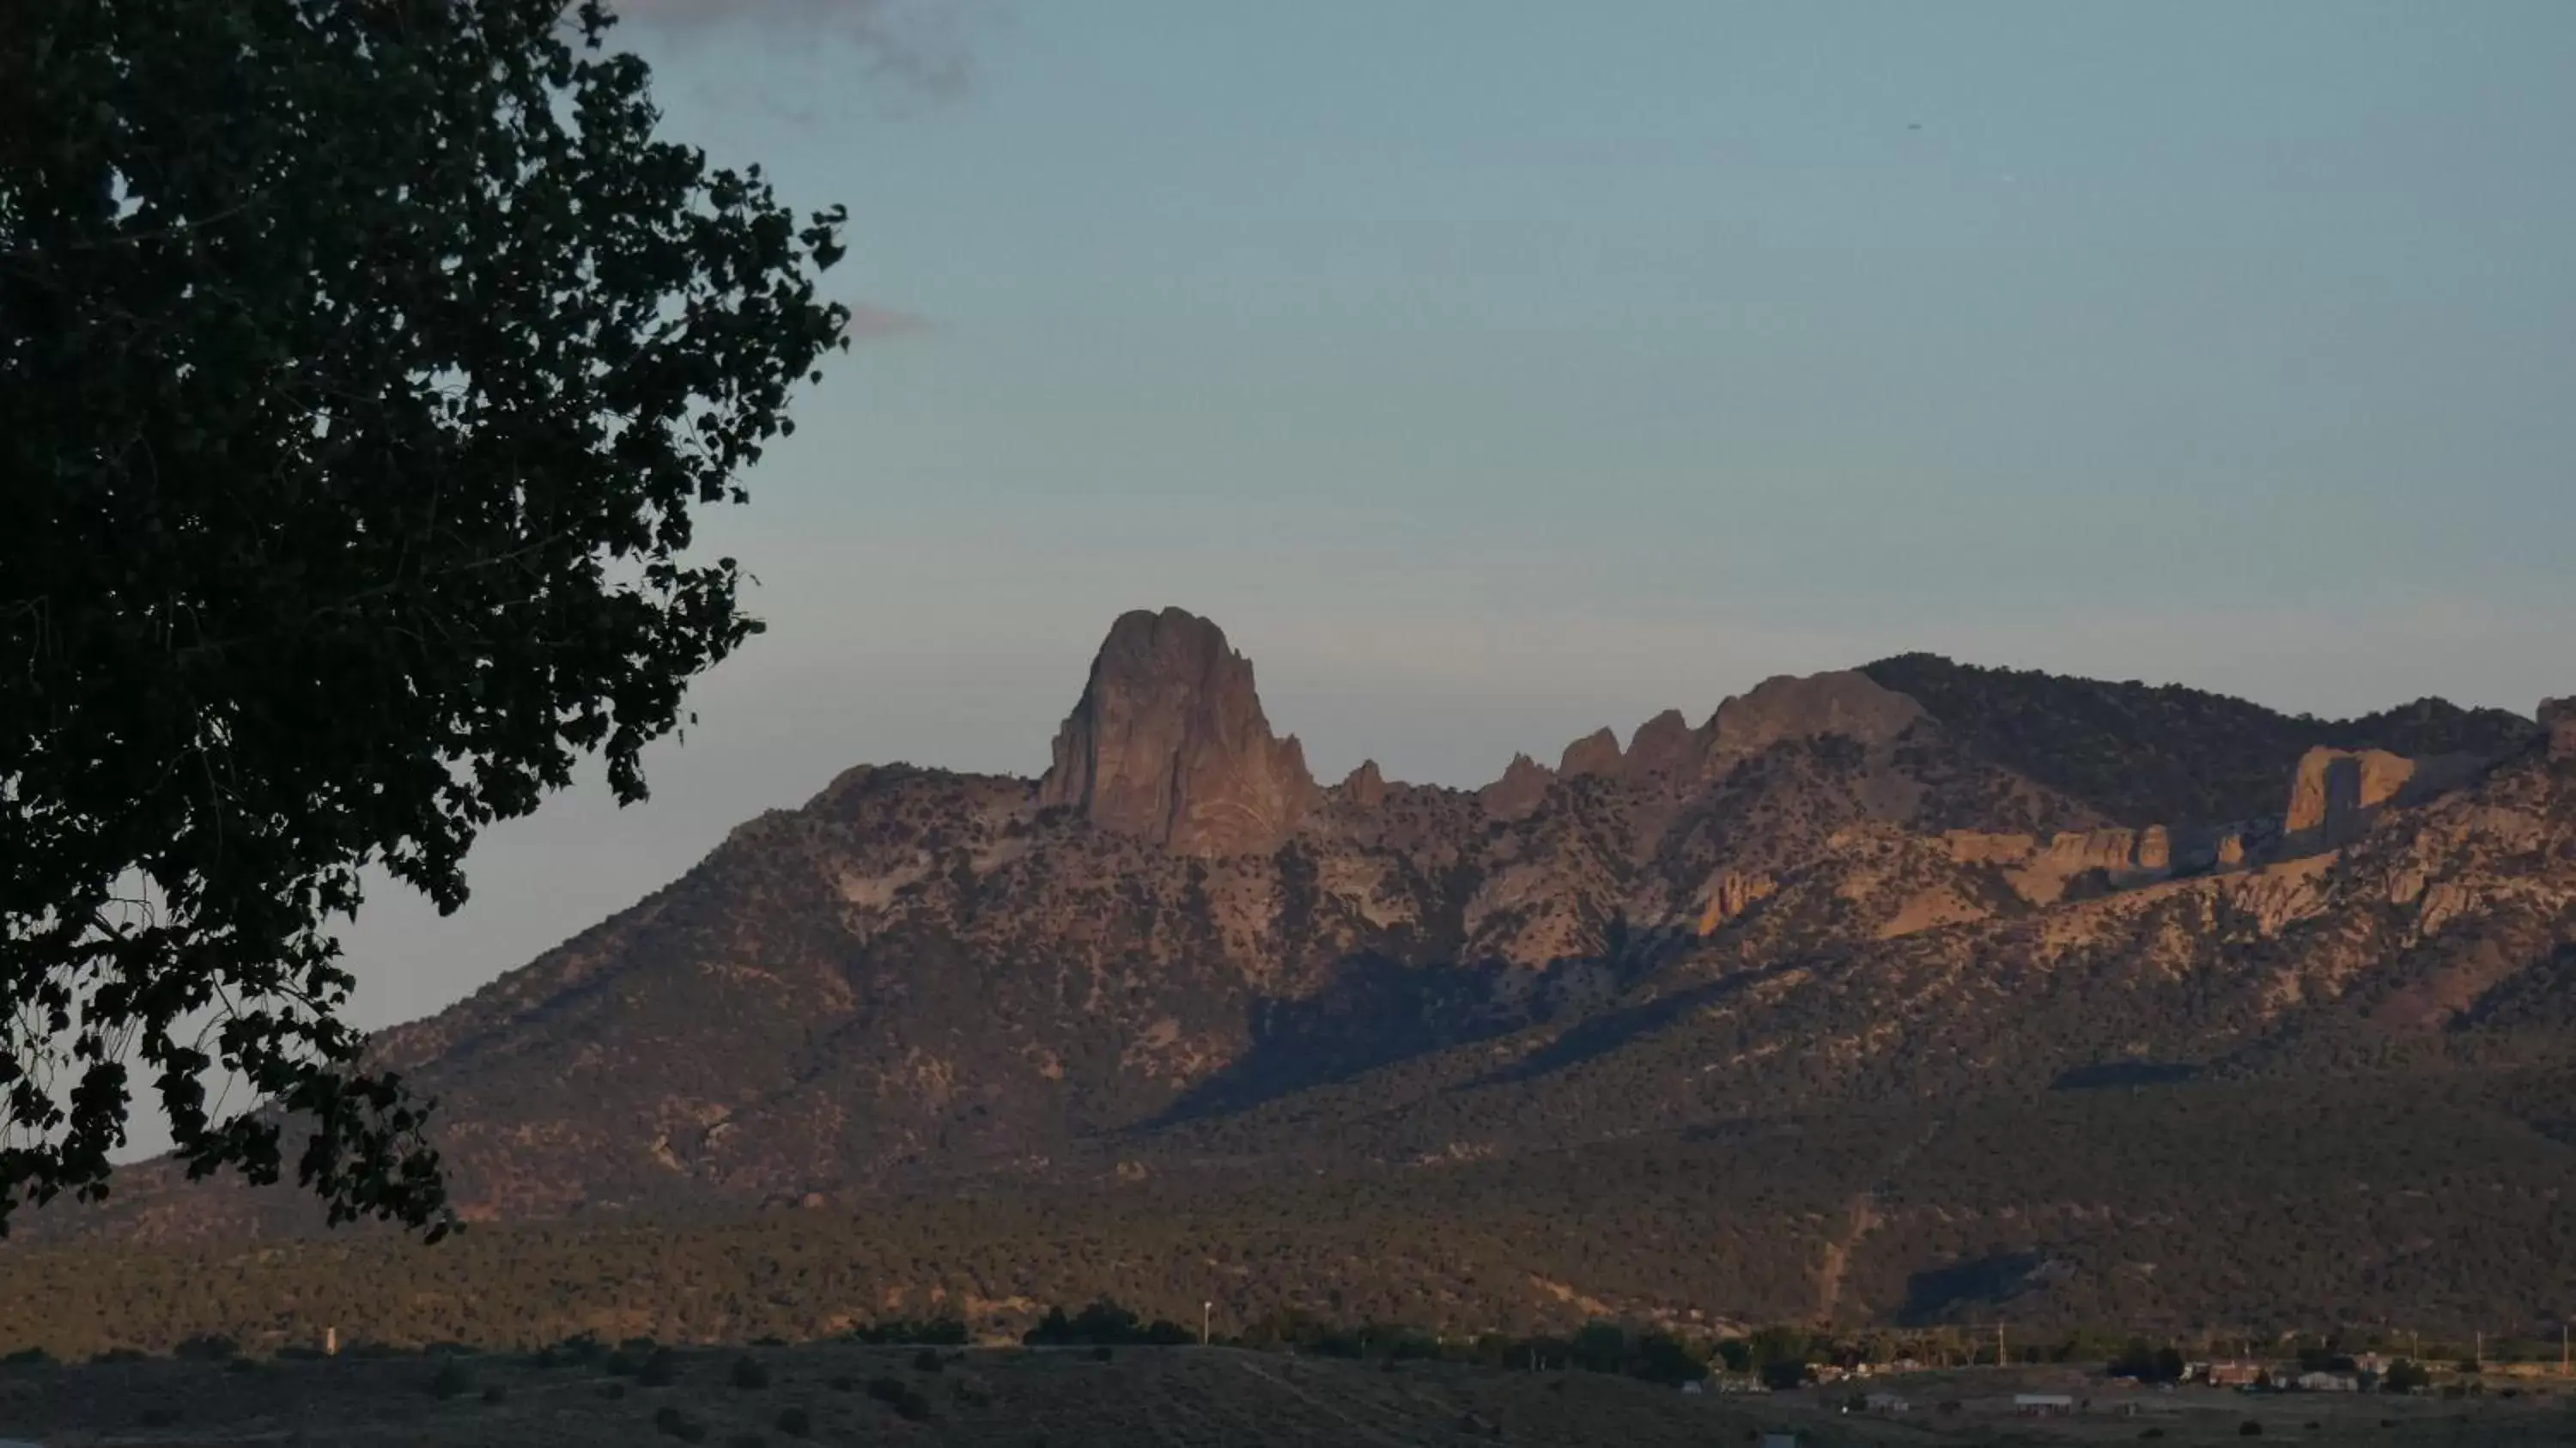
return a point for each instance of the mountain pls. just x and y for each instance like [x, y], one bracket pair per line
[1915, 992]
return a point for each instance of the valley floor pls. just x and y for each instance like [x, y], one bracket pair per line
[1172, 1397]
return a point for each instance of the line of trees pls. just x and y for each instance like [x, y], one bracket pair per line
[1782, 1357]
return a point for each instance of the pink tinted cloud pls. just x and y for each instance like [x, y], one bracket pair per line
[871, 323]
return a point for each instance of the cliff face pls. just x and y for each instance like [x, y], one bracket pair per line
[1169, 744]
[2334, 791]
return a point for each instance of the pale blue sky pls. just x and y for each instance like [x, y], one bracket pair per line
[1492, 371]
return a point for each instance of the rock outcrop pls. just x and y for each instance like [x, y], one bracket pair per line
[2558, 723]
[2334, 789]
[1665, 749]
[1729, 894]
[1364, 787]
[2042, 872]
[1169, 744]
[1518, 792]
[1847, 702]
[1594, 753]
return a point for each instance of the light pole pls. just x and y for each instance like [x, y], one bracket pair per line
[1206, 1311]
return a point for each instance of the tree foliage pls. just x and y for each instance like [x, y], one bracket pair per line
[362, 364]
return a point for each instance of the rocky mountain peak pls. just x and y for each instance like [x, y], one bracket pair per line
[1663, 748]
[1846, 702]
[1523, 785]
[1594, 753]
[1365, 786]
[1169, 743]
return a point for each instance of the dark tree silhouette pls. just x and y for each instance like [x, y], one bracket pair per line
[362, 363]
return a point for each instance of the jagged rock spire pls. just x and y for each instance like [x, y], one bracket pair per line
[1169, 744]
[1523, 785]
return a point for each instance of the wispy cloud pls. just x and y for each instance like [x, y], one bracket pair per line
[872, 323]
[920, 44]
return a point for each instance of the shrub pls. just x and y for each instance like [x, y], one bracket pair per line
[939, 1331]
[158, 1417]
[2249, 1429]
[660, 1370]
[746, 1440]
[450, 1380]
[750, 1373]
[496, 1394]
[619, 1364]
[906, 1400]
[28, 1357]
[207, 1348]
[796, 1423]
[844, 1384]
[926, 1361]
[670, 1420]
[612, 1391]
[1103, 1353]
[1784, 1374]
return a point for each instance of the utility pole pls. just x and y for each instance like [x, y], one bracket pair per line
[1207, 1311]
[2000, 1359]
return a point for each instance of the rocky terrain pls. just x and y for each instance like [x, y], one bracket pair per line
[1910, 970]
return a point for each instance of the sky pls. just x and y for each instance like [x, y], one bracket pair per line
[1492, 371]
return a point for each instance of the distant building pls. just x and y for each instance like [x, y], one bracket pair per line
[2234, 1375]
[1695, 1387]
[2328, 1383]
[1886, 1403]
[2375, 1364]
[2042, 1405]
